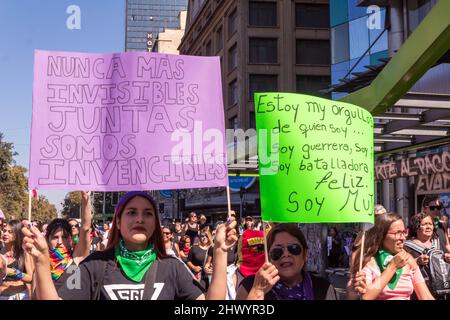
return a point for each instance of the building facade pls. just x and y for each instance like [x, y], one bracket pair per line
[145, 19]
[365, 34]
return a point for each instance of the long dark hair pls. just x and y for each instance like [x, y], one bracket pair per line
[19, 254]
[156, 238]
[414, 225]
[374, 238]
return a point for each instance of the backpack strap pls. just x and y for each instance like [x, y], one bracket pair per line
[414, 246]
[150, 279]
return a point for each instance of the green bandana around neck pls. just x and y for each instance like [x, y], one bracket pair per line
[382, 258]
[135, 263]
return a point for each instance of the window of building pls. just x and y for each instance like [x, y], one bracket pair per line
[312, 84]
[312, 15]
[359, 37]
[339, 44]
[262, 83]
[232, 23]
[263, 50]
[233, 96]
[313, 52]
[232, 58]
[219, 39]
[262, 14]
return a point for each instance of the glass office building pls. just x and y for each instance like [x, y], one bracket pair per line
[358, 39]
[146, 18]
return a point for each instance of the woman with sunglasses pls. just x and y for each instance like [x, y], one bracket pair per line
[171, 247]
[285, 277]
[63, 249]
[432, 205]
[19, 265]
[198, 254]
[390, 272]
[134, 266]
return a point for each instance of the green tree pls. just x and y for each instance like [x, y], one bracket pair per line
[71, 205]
[13, 183]
[42, 210]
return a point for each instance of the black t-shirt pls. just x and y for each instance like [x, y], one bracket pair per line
[231, 255]
[173, 281]
[322, 288]
[192, 232]
[197, 256]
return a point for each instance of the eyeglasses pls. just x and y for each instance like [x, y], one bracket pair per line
[435, 207]
[399, 234]
[167, 233]
[276, 253]
[74, 226]
[203, 235]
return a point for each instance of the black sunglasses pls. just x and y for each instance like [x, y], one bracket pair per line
[435, 207]
[276, 253]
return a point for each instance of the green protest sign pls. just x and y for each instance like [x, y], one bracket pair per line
[315, 159]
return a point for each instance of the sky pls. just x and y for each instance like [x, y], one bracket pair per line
[27, 25]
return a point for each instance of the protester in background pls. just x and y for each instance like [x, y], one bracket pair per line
[422, 240]
[432, 205]
[63, 250]
[333, 248]
[285, 276]
[249, 223]
[197, 258]
[135, 248]
[185, 247]
[192, 228]
[95, 238]
[75, 229]
[391, 272]
[16, 285]
[171, 247]
[104, 234]
[178, 232]
[203, 224]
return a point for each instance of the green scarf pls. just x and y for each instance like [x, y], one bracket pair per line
[382, 258]
[135, 264]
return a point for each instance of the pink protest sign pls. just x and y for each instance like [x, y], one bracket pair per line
[126, 121]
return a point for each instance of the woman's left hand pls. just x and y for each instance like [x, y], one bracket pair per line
[226, 235]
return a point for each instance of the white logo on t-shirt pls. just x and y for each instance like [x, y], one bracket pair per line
[131, 291]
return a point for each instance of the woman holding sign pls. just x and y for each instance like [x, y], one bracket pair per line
[285, 276]
[134, 265]
[390, 272]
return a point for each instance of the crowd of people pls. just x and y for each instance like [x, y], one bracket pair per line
[137, 256]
